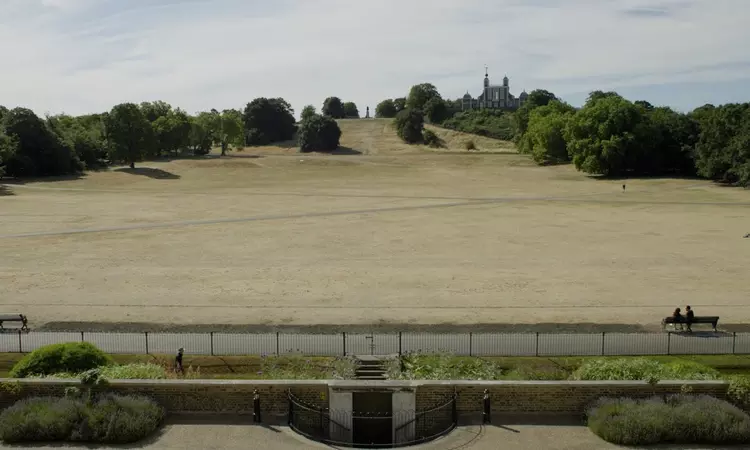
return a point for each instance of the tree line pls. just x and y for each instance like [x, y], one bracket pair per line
[32, 146]
[609, 135]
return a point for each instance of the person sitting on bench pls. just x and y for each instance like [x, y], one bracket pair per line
[677, 317]
[689, 316]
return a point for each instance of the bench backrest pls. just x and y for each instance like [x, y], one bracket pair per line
[11, 317]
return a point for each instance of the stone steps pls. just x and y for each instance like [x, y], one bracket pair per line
[370, 368]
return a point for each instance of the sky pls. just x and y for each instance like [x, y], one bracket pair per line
[82, 56]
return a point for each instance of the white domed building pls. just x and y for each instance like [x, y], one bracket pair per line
[494, 97]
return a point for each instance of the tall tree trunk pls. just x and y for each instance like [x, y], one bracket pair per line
[132, 164]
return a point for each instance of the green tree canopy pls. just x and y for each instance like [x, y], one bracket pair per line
[436, 110]
[231, 130]
[308, 112]
[351, 111]
[172, 131]
[400, 104]
[128, 131]
[154, 110]
[409, 124]
[319, 134]
[536, 99]
[420, 94]
[268, 120]
[603, 136]
[39, 151]
[386, 109]
[545, 138]
[333, 107]
[723, 149]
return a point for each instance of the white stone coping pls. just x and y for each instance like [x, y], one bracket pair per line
[367, 383]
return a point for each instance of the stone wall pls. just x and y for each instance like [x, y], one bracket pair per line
[236, 396]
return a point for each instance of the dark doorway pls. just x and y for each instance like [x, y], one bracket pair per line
[372, 419]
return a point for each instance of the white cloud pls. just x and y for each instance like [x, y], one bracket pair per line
[86, 55]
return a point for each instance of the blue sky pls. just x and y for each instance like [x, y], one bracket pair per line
[79, 56]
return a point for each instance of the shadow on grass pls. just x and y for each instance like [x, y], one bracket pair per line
[642, 177]
[5, 191]
[346, 151]
[150, 172]
[23, 181]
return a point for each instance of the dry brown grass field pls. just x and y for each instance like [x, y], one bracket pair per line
[379, 233]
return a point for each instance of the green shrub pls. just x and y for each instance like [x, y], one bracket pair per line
[319, 134]
[409, 124]
[431, 139]
[642, 369]
[739, 391]
[679, 419]
[72, 357]
[141, 371]
[470, 145]
[485, 122]
[40, 419]
[446, 367]
[112, 419]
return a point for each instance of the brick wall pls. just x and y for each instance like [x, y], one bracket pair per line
[236, 396]
[192, 396]
[550, 396]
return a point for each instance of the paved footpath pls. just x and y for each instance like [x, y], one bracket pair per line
[196, 434]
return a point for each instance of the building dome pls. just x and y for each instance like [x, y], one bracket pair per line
[467, 96]
[523, 95]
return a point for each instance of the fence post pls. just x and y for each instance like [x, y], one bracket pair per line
[277, 344]
[487, 409]
[669, 342]
[82, 339]
[211, 334]
[146, 334]
[471, 338]
[343, 335]
[291, 407]
[603, 343]
[536, 352]
[734, 341]
[399, 343]
[20, 347]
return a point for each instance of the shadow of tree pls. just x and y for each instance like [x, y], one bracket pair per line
[150, 172]
[346, 151]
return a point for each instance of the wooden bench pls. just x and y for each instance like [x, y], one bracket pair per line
[713, 320]
[14, 318]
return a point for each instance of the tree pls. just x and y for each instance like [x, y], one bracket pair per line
[8, 147]
[436, 110]
[308, 112]
[536, 99]
[319, 133]
[595, 96]
[400, 104]
[409, 124]
[386, 109]
[154, 110]
[723, 149]
[231, 131]
[540, 97]
[268, 120]
[39, 151]
[603, 137]
[3, 112]
[128, 131]
[172, 131]
[203, 133]
[420, 94]
[333, 107]
[545, 138]
[350, 110]
[86, 135]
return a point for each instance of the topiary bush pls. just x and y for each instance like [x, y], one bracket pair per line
[643, 369]
[112, 419]
[72, 357]
[679, 419]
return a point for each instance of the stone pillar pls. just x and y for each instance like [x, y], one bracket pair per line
[368, 113]
[404, 411]
[340, 409]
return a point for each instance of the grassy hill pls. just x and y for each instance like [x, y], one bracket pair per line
[377, 137]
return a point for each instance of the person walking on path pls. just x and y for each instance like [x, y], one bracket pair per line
[178, 361]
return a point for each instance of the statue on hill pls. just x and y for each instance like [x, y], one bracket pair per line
[367, 116]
